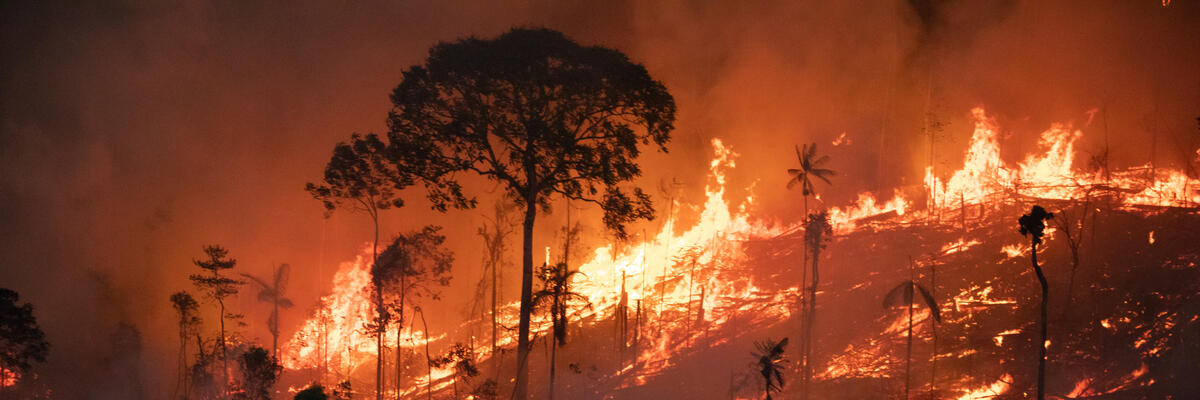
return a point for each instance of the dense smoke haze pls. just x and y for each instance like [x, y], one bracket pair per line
[134, 133]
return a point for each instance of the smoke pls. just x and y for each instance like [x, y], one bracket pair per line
[133, 133]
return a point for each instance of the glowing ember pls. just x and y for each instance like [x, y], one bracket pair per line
[997, 388]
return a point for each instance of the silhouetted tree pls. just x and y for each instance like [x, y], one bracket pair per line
[216, 287]
[22, 342]
[462, 358]
[770, 364]
[540, 114]
[273, 293]
[556, 296]
[189, 322]
[810, 166]
[313, 392]
[415, 264]
[260, 370]
[1034, 225]
[817, 231]
[360, 179]
[495, 232]
[903, 295]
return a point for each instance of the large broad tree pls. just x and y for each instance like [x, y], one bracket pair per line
[542, 116]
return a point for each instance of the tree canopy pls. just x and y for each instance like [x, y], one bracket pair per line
[536, 112]
[22, 342]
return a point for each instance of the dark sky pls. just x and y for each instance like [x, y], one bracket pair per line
[133, 133]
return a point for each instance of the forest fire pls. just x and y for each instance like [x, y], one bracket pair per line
[994, 199]
[685, 285]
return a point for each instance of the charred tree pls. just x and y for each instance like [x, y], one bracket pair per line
[1034, 225]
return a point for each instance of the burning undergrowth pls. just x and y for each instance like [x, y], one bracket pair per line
[686, 304]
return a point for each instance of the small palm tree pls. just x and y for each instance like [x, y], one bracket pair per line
[903, 295]
[1034, 225]
[770, 364]
[811, 166]
[273, 293]
[556, 293]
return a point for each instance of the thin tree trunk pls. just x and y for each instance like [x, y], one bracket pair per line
[275, 328]
[1041, 390]
[399, 354]
[224, 353]
[400, 325]
[933, 331]
[812, 310]
[428, 361]
[521, 387]
[378, 309]
[553, 359]
[804, 299]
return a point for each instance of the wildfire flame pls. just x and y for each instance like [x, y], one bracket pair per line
[683, 305]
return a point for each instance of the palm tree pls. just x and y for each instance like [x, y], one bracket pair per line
[770, 364]
[811, 166]
[902, 295]
[1034, 225]
[816, 232]
[273, 293]
[556, 292]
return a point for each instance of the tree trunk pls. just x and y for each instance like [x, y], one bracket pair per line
[521, 389]
[804, 308]
[379, 310]
[495, 296]
[224, 353]
[399, 356]
[1041, 390]
[553, 359]
[812, 310]
[428, 361]
[933, 332]
[399, 327]
[275, 325]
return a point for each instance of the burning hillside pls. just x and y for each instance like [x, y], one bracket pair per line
[684, 305]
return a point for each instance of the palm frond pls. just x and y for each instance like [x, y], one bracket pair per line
[901, 295]
[931, 303]
[281, 277]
